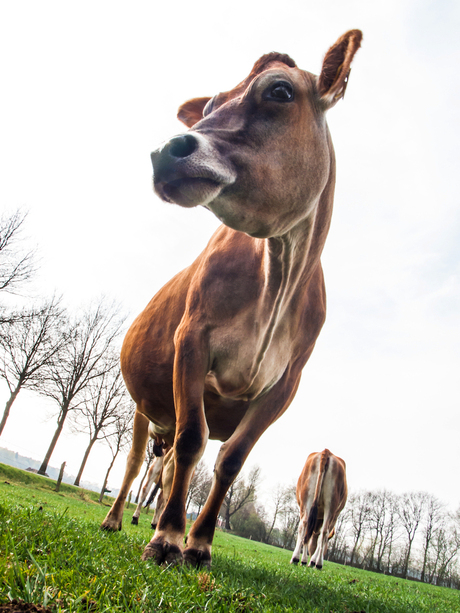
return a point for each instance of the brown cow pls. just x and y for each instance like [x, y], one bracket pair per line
[219, 351]
[321, 495]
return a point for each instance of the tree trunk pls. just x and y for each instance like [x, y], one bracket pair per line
[355, 547]
[6, 412]
[57, 434]
[85, 458]
[406, 561]
[425, 557]
[227, 517]
[267, 536]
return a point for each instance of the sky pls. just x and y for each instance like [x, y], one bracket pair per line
[89, 89]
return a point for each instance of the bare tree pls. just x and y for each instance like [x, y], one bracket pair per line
[200, 484]
[290, 517]
[27, 344]
[410, 511]
[391, 530]
[120, 437]
[446, 548]
[432, 520]
[280, 497]
[359, 505]
[337, 551]
[381, 523]
[88, 338]
[240, 493]
[99, 409]
[16, 263]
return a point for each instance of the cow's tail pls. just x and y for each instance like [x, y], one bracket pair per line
[313, 515]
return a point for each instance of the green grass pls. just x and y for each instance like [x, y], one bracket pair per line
[52, 552]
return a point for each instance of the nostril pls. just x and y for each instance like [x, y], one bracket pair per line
[183, 146]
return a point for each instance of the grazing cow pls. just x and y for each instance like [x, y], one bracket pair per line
[218, 352]
[321, 495]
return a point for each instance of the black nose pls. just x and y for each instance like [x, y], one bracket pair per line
[182, 146]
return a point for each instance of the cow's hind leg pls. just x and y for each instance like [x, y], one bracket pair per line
[323, 538]
[165, 484]
[199, 540]
[136, 456]
[142, 497]
[152, 476]
[300, 541]
[230, 460]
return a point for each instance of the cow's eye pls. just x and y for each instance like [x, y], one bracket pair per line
[280, 91]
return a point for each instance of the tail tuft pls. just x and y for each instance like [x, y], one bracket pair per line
[312, 517]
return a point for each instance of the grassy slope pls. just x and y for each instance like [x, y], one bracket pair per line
[52, 552]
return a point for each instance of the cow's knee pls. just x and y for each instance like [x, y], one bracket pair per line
[229, 467]
[189, 444]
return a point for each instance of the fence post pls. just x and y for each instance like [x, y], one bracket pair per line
[61, 474]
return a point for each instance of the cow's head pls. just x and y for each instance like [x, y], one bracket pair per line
[258, 156]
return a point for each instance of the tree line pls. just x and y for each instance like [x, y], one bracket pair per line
[410, 535]
[71, 358]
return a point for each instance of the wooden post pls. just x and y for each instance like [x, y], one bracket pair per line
[61, 474]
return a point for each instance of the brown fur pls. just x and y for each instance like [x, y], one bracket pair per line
[267, 59]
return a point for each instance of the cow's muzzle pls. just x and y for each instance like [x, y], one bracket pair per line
[188, 170]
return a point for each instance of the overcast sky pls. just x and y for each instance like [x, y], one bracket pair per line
[89, 89]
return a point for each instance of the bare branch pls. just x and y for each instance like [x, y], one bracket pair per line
[27, 346]
[16, 264]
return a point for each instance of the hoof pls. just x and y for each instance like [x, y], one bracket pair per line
[197, 558]
[163, 552]
[135, 521]
[304, 564]
[110, 526]
[311, 565]
[318, 567]
[153, 526]
[295, 561]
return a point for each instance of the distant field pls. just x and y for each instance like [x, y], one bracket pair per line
[53, 553]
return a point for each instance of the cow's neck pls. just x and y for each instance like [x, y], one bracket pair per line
[290, 261]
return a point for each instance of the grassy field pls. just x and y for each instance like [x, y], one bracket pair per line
[53, 553]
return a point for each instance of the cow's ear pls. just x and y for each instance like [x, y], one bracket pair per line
[191, 111]
[332, 82]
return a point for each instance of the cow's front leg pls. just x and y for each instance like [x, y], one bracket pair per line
[136, 456]
[190, 367]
